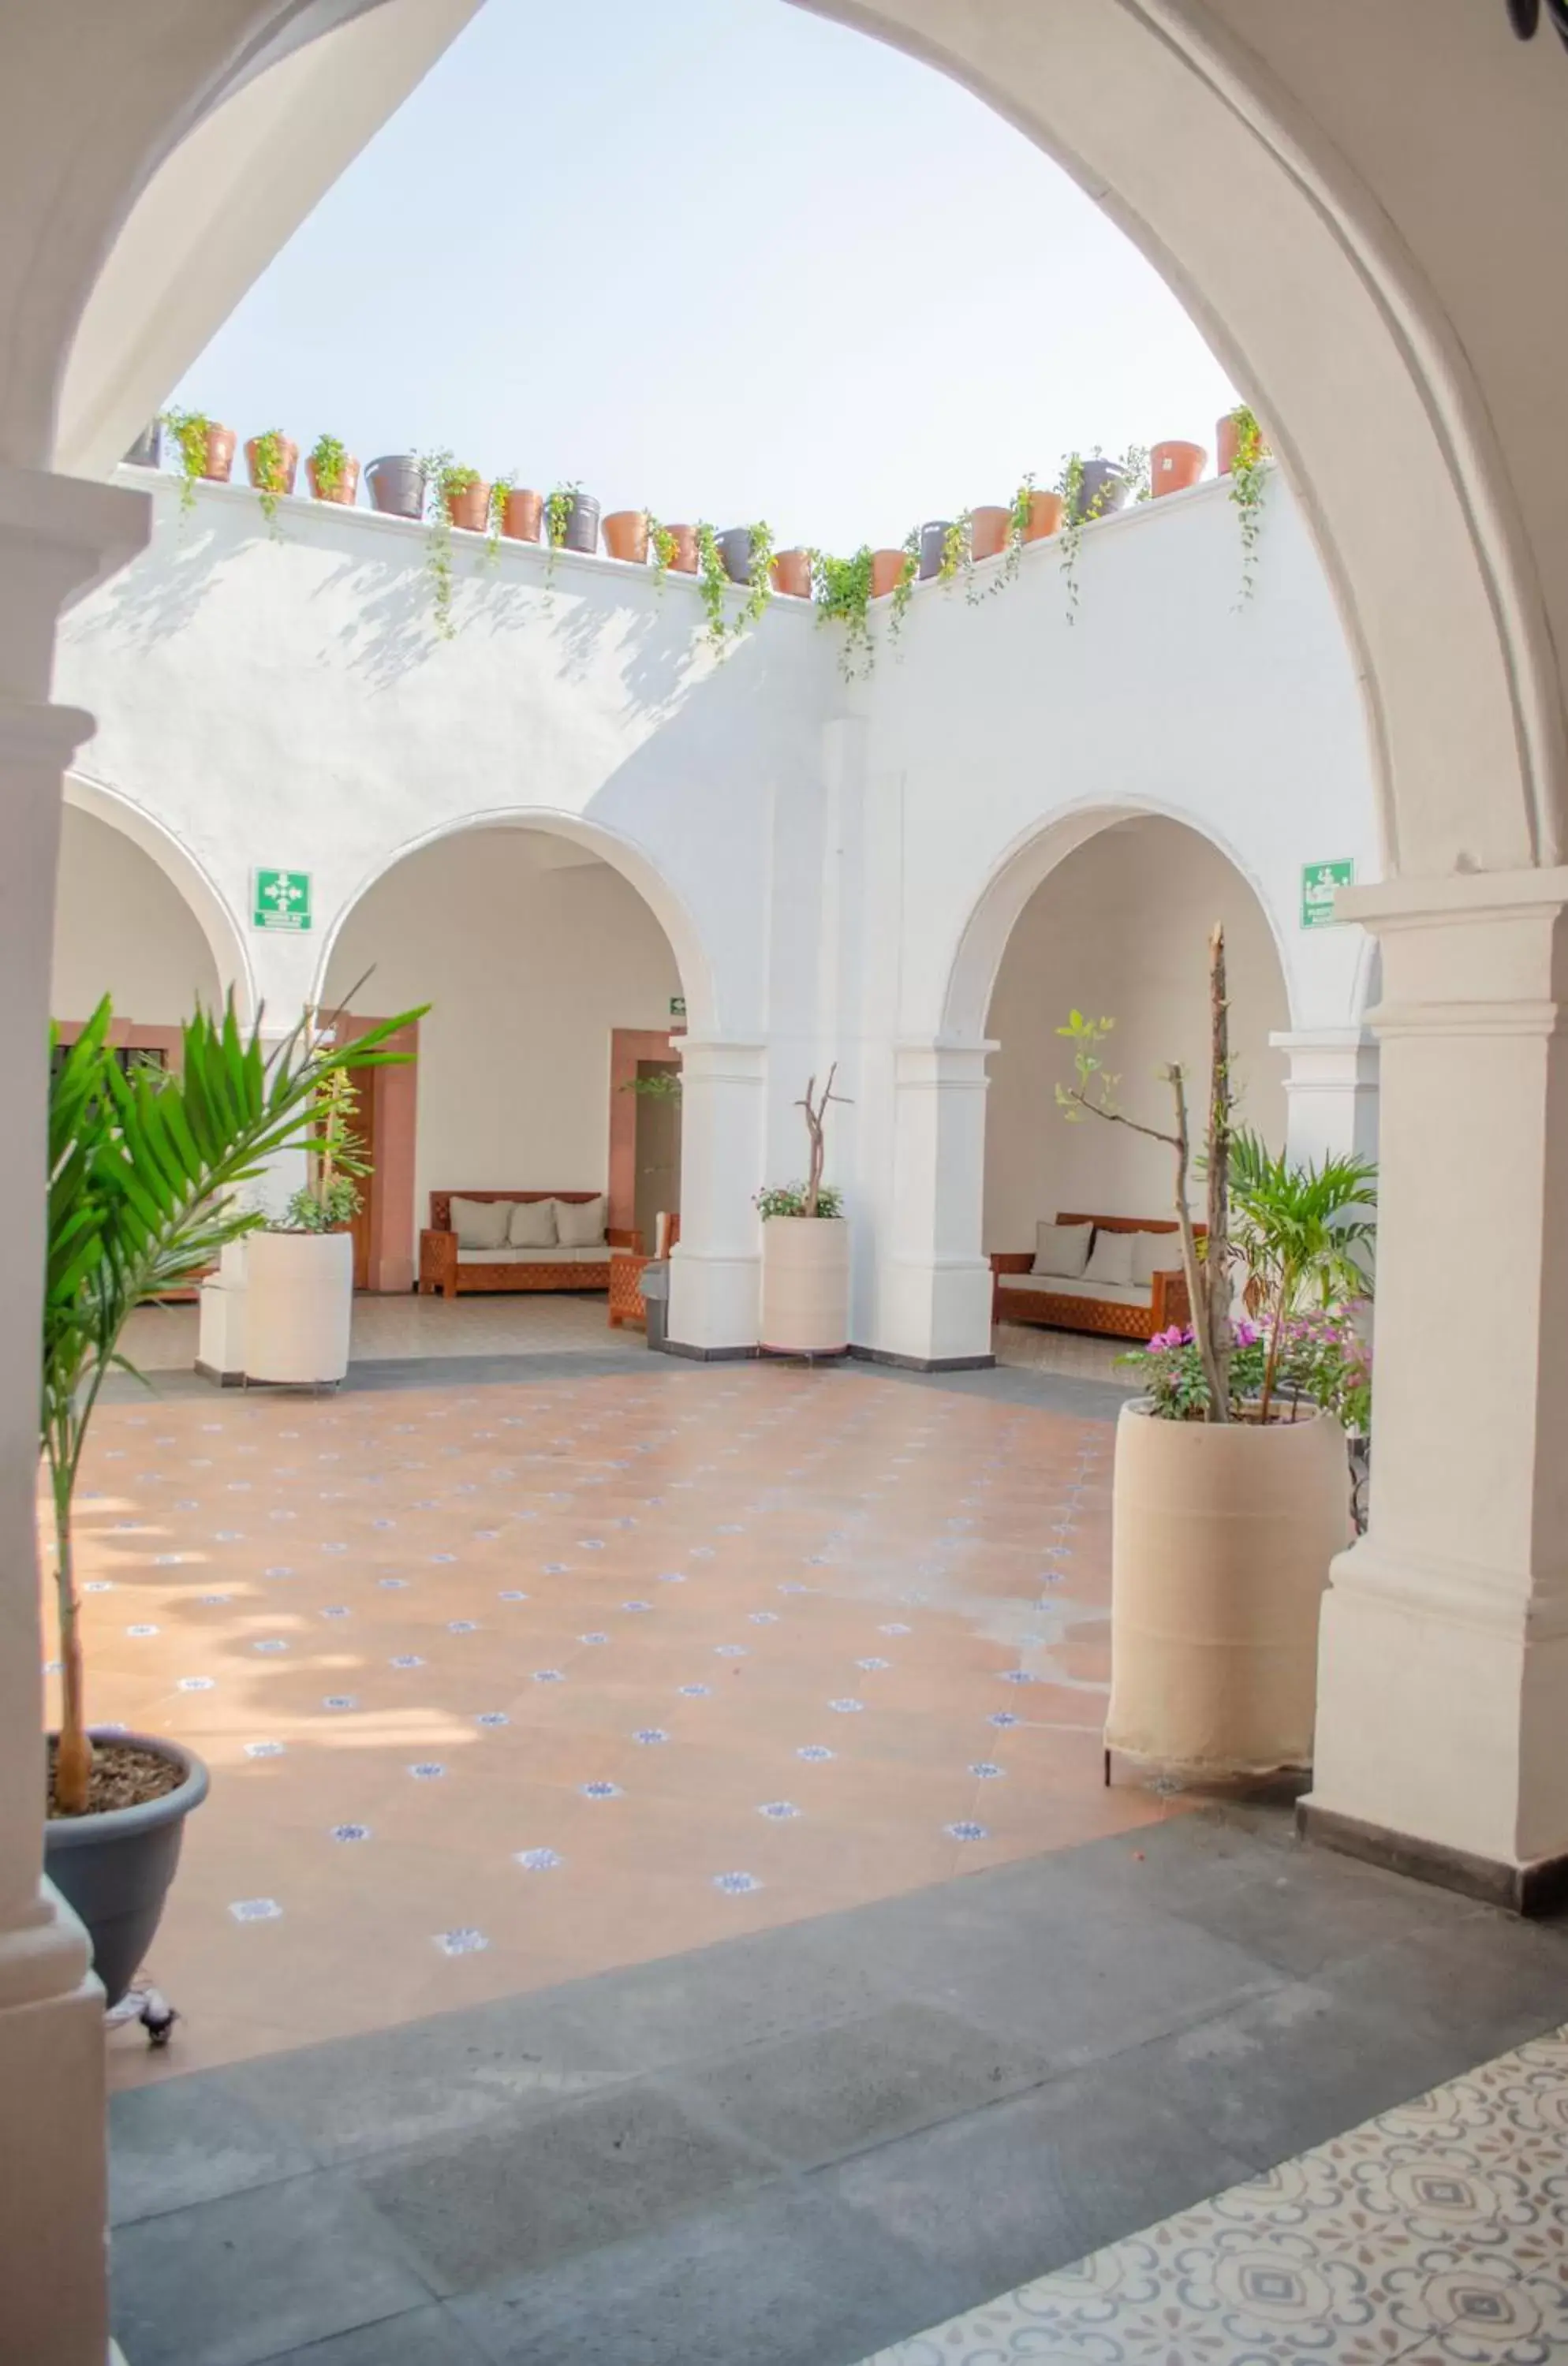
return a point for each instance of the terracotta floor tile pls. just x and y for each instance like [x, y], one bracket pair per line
[787, 1532]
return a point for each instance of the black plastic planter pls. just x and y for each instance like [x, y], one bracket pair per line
[933, 542]
[396, 485]
[581, 529]
[147, 452]
[1102, 487]
[735, 549]
[115, 1869]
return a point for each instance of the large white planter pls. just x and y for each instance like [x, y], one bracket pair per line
[1222, 1536]
[299, 1302]
[805, 1285]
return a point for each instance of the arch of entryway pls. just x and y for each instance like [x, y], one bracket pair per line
[938, 1294]
[1118, 927]
[559, 964]
[117, 910]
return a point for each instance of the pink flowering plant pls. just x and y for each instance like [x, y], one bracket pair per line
[1319, 1359]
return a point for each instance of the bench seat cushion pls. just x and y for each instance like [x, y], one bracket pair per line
[558, 1256]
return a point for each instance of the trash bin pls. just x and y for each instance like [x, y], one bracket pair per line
[654, 1284]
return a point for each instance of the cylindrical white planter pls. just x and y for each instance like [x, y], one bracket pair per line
[299, 1302]
[805, 1285]
[1222, 1534]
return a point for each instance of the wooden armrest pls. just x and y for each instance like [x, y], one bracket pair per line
[1011, 1261]
[622, 1236]
[1170, 1305]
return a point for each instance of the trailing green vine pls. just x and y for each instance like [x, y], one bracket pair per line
[664, 546]
[445, 478]
[495, 517]
[957, 551]
[1020, 513]
[558, 517]
[1131, 470]
[713, 584]
[1250, 479]
[329, 459]
[842, 590]
[270, 485]
[190, 430]
[903, 590]
[759, 590]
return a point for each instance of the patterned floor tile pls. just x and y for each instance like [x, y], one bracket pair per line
[1436, 2234]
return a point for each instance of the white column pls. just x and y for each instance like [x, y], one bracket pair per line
[933, 1287]
[1331, 1092]
[714, 1270]
[57, 536]
[1442, 1731]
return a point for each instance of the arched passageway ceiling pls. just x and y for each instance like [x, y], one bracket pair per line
[225, 939]
[634, 863]
[1184, 118]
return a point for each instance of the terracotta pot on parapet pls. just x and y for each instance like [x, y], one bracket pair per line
[792, 574]
[1045, 517]
[886, 567]
[988, 532]
[684, 557]
[626, 535]
[470, 509]
[1227, 436]
[1174, 466]
[287, 466]
[346, 491]
[220, 463]
[523, 517]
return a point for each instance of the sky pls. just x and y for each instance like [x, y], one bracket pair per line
[718, 259]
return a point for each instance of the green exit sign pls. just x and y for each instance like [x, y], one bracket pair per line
[1319, 881]
[281, 900]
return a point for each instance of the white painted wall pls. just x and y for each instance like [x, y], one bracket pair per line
[1120, 930]
[121, 928]
[529, 965]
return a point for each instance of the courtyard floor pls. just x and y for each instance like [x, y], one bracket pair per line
[508, 1683]
[658, 1905]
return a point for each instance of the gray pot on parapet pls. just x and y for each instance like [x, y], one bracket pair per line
[933, 542]
[147, 452]
[396, 485]
[581, 529]
[1102, 487]
[115, 1869]
[735, 549]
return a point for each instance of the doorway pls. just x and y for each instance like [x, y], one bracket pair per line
[657, 1146]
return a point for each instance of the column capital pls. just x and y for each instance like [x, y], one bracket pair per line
[59, 537]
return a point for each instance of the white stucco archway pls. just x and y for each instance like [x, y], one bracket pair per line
[634, 862]
[1024, 869]
[200, 894]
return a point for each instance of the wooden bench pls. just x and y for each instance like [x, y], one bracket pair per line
[442, 1269]
[1062, 1305]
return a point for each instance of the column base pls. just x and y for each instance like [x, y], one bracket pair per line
[1540, 1888]
[713, 1303]
[923, 1363]
[53, 2302]
[935, 1314]
[1442, 1699]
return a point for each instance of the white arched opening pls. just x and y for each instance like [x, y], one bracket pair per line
[137, 917]
[1119, 928]
[544, 967]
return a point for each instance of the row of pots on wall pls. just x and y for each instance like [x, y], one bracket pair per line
[398, 485]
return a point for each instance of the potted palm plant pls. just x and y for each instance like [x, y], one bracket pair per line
[143, 1170]
[1231, 1490]
[806, 1250]
[299, 1265]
